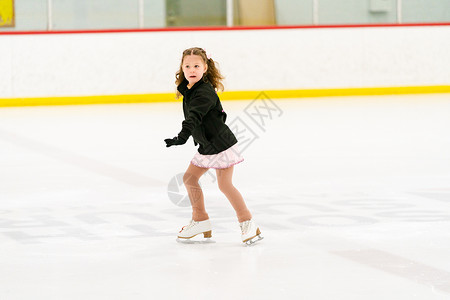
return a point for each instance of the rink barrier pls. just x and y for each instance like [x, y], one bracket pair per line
[218, 28]
[232, 95]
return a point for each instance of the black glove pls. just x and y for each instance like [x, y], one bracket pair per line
[175, 141]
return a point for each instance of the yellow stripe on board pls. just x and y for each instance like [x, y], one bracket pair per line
[234, 95]
[280, 94]
[80, 100]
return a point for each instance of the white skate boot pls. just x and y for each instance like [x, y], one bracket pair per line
[194, 228]
[250, 232]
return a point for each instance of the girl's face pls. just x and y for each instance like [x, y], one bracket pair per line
[193, 68]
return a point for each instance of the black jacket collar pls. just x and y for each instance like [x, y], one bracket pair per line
[183, 89]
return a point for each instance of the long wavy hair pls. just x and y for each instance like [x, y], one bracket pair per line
[212, 74]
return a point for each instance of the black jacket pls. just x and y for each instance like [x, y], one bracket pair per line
[204, 118]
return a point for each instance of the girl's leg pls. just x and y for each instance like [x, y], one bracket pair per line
[190, 179]
[224, 178]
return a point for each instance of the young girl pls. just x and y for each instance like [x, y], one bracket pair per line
[197, 81]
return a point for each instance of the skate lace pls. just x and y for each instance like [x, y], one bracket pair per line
[245, 226]
[186, 227]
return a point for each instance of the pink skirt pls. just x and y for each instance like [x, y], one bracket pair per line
[222, 160]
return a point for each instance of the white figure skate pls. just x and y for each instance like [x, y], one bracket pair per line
[250, 232]
[195, 228]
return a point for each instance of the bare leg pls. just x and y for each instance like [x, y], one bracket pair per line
[224, 178]
[190, 179]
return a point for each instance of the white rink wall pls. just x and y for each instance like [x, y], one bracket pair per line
[85, 64]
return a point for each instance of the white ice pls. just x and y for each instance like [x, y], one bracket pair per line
[352, 195]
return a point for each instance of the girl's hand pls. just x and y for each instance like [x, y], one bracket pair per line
[175, 141]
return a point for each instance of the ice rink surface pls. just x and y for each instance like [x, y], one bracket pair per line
[352, 195]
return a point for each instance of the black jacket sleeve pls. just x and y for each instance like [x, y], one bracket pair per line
[199, 106]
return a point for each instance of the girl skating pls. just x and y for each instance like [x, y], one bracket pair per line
[197, 81]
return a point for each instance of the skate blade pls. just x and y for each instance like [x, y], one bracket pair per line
[253, 240]
[195, 241]
[201, 238]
